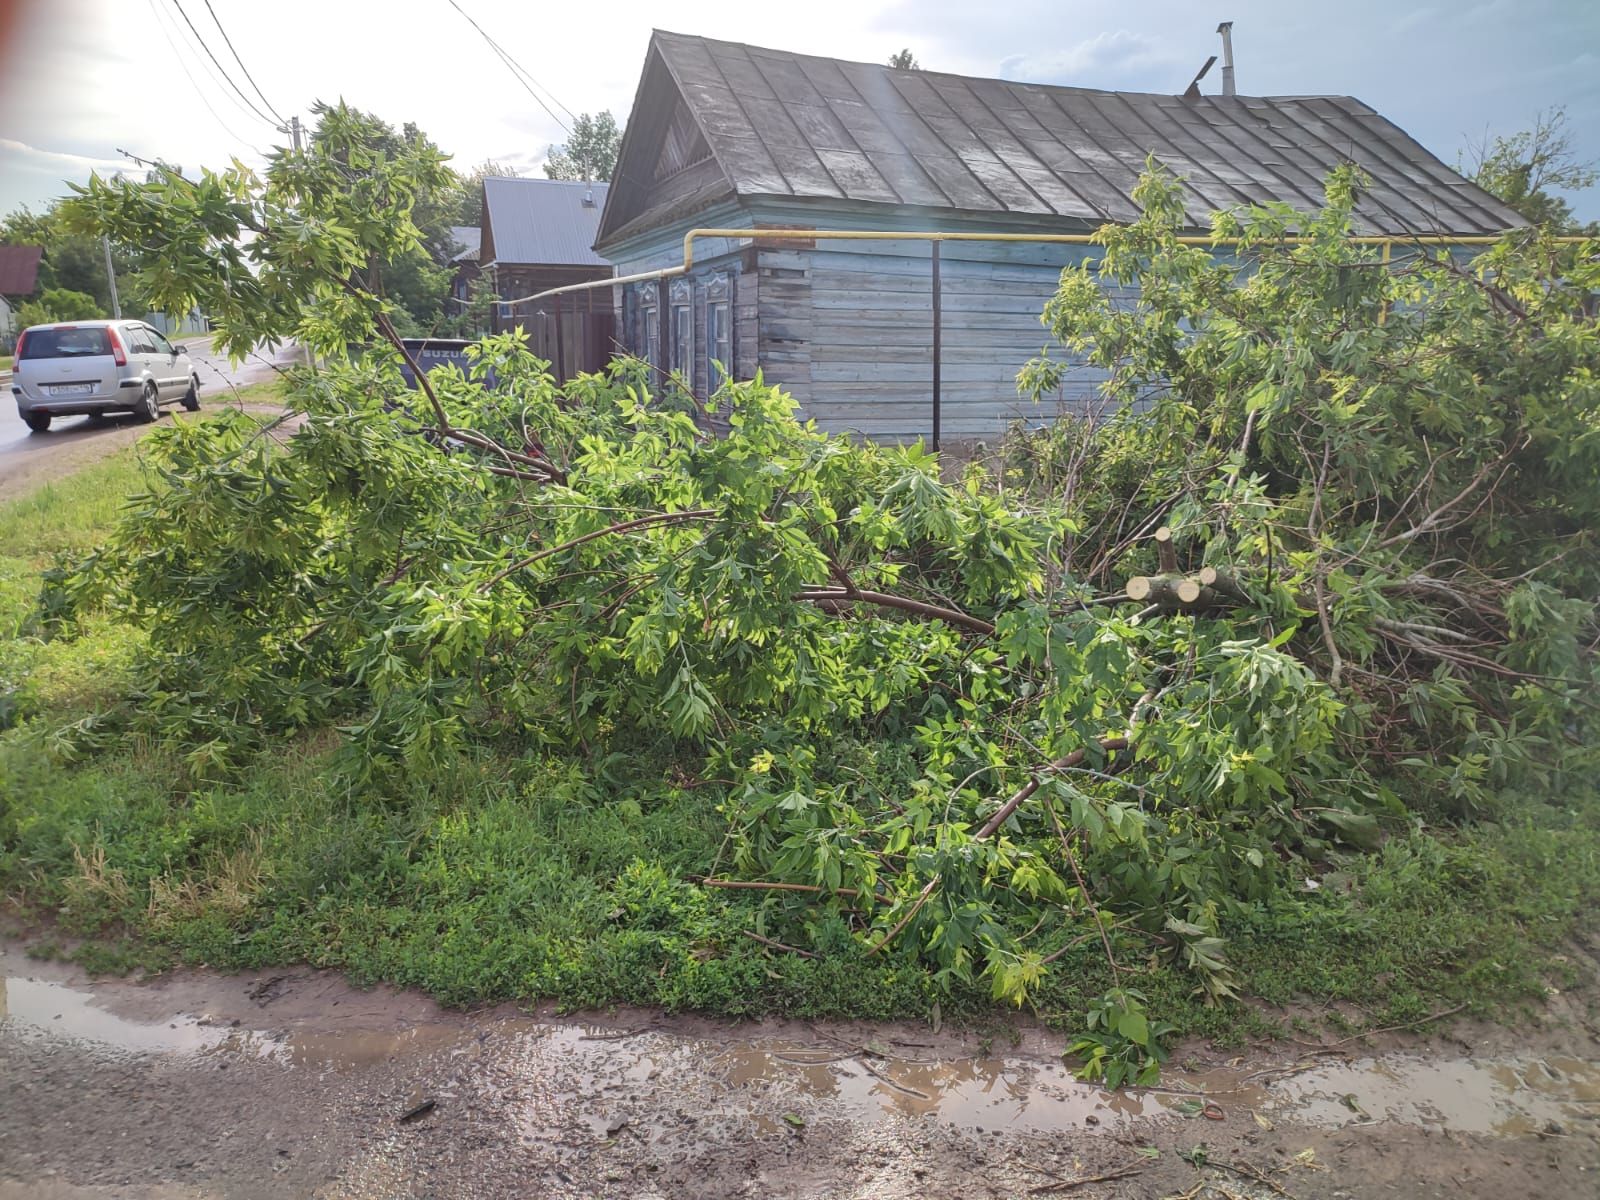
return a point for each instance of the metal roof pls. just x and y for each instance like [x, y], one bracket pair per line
[467, 239]
[19, 269]
[542, 221]
[794, 125]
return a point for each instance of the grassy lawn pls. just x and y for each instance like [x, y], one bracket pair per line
[523, 875]
[5, 362]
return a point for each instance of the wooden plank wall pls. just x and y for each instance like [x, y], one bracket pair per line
[848, 330]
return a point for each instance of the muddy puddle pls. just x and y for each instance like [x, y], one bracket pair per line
[546, 1073]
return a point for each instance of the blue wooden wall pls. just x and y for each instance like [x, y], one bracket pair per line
[847, 326]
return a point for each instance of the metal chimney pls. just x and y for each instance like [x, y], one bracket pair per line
[1226, 30]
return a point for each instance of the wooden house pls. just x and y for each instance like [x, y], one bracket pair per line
[539, 234]
[725, 135]
[19, 279]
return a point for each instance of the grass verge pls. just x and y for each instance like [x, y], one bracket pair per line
[541, 876]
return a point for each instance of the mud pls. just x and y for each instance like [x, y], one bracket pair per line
[294, 1083]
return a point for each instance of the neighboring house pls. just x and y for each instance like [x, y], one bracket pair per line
[19, 278]
[539, 234]
[729, 135]
[465, 260]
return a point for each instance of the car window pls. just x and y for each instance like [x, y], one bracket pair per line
[66, 341]
[161, 344]
[139, 340]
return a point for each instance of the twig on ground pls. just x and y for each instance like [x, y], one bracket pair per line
[1253, 1173]
[881, 1077]
[1066, 1185]
[766, 941]
[1438, 1016]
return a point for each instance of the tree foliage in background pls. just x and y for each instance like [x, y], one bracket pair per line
[74, 261]
[936, 729]
[59, 304]
[590, 151]
[1526, 169]
[417, 280]
[904, 60]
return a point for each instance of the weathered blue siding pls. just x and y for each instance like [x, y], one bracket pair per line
[847, 326]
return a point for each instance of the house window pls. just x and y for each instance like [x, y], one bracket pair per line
[719, 331]
[682, 303]
[647, 330]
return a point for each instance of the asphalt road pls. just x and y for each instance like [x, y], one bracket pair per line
[21, 449]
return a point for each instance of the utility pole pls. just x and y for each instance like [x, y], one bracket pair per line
[111, 277]
[293, 129]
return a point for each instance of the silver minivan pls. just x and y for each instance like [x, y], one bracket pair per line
[98, 367]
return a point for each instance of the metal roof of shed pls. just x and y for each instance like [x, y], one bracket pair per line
[781, 124]
[542, 221]
[467, 239]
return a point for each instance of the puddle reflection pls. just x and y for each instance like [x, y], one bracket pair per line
[546, 1074]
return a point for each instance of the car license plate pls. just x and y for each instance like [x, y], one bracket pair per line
[72, 389]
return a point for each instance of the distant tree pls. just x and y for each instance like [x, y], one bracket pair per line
[1523, 169]
[73, 262]
[59, 304]
[904, 61]
[416, 279]
[590, 151]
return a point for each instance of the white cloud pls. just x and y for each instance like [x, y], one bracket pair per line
[57, 160]
[1092, 62]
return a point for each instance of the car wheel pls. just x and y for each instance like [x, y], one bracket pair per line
[191, 398]
[149, 405]
[38, 422]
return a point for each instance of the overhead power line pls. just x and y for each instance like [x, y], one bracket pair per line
[229, 42]
[182, 58]
[228, 79]
[518, 72]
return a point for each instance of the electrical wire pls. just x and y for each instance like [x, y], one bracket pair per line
[212, 84]
[229, 42]
[228, 79]
[518, 72]
[199, 91]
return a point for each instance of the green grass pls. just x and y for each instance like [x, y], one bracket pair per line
[5, 362]
[535, 876]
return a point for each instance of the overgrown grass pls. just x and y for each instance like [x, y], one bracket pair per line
[537, 876]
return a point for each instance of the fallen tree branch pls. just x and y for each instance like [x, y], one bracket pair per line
[923, 898]
[1064, 763]
[839, 596]
[672, 518]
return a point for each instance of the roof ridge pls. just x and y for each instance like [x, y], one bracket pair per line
[928, 71]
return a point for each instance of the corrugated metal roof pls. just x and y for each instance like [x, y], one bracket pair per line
[19, 269]
[795, 125]
[543, 221]
[467, 239]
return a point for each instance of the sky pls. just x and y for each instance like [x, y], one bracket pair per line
[83, 80]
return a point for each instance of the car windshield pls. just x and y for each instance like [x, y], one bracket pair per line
[66, 342]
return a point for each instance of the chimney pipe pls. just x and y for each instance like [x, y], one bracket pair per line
[1226, 30]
